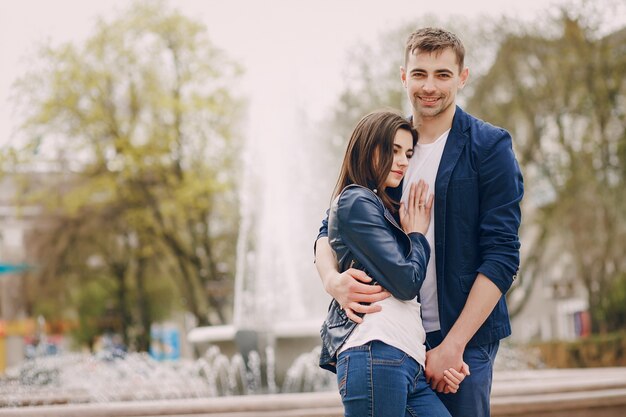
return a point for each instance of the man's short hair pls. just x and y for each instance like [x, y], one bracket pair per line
[434, 40]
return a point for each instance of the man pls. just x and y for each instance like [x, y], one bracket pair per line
[478, 187]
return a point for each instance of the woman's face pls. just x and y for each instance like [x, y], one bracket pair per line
[402, 152]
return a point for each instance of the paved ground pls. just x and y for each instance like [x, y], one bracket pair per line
[598, 392]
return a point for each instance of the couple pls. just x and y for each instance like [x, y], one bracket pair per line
[418, 305]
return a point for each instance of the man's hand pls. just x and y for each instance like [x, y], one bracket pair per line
[440, 359]
[482, 298]
[349, 290]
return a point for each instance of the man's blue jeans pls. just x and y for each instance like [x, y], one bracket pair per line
[378, 380]
[472, 398]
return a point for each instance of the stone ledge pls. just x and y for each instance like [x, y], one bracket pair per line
[551, 393]
[605, 403]
[610, 402]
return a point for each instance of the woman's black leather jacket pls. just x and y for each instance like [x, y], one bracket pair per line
[364, 235]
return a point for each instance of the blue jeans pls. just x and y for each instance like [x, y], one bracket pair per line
[378, 380]
[472, 398]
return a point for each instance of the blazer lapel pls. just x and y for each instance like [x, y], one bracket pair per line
[457, 138]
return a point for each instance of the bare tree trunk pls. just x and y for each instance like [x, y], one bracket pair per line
[145, 319]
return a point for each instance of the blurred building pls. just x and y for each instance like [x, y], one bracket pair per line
[554, 302]
[14, 224]
[17, 328]
[557, 309]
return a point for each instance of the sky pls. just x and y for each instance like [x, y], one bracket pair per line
[293, 51]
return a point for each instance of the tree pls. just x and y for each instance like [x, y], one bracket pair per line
[562, 93]
[139, 125]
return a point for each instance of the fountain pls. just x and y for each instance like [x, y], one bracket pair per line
[279, 301]
[80, 378]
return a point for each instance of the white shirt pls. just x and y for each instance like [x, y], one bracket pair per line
[398, 324]
[424, 165]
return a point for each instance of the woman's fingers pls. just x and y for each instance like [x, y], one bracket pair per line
[415, 212]
[419, 198]
[451, 383]
[450, 388]
[419, 192]
[423, 197]
[454, 375]
[453, 378]
[429, 202]
[413, 198]
[450, 380]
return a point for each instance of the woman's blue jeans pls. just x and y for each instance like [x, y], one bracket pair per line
[378, 380]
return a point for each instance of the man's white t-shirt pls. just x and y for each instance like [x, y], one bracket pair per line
[424, 166]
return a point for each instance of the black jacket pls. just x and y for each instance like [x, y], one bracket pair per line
[364, 235]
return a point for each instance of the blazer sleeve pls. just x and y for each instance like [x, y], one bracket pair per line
[323, 232]
[374, 243]
[501, 190]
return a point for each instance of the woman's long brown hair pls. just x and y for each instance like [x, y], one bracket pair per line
[369, 155]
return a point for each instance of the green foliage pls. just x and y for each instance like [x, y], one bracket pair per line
[138, 130]
[612, 308]
[560, 90]
[91, 308]
[595, 351]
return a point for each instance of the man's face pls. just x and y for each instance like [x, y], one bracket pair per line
[432, 81]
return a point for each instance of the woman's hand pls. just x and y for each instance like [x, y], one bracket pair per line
[416, 217]
[453, 378]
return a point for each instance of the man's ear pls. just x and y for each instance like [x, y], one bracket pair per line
[463, 76]
[403, 76]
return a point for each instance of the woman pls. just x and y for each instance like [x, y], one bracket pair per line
[379, 362]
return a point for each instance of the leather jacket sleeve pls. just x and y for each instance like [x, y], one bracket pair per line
[395, 193]
[323, 232]
[395, 260]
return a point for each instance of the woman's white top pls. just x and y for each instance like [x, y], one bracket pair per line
[399, 324]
